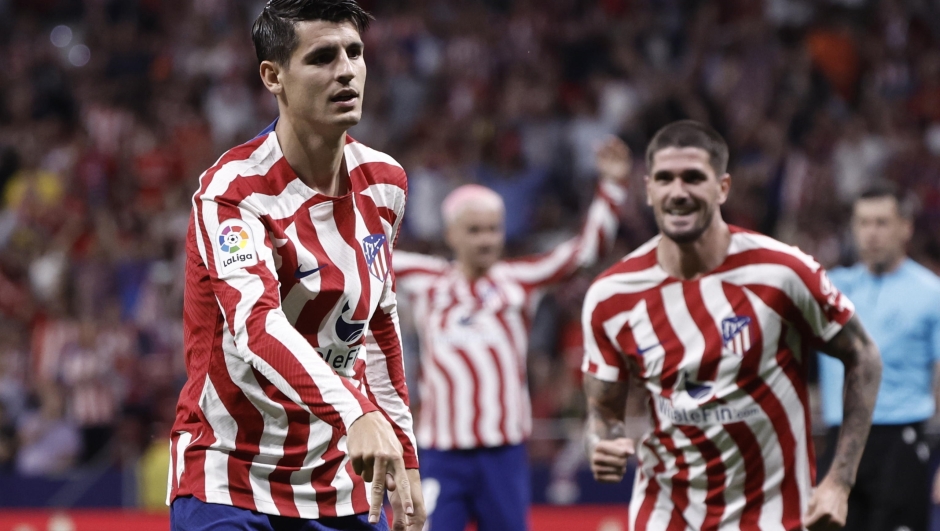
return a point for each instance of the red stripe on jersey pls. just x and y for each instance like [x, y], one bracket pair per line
[500, 378]
[344, 214]
[750, 381]
[295, 449]
[743, 437]
[796, 374]
[650, 495]
[679, 495]
[670, 342]
[324, 475]
[715, 474]
[478, 405]
[754, 474]
[708, 370]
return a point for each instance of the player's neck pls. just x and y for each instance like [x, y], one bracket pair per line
[689, 261]
[315, 157]
[471, 272]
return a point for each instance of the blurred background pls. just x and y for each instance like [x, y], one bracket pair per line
[111, 109]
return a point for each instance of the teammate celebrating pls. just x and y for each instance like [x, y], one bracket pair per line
[717, 323]
[473, 317]
[296, 396]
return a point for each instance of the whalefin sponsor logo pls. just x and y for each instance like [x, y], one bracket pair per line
[711, 414]
[736, 334]
[234, 246]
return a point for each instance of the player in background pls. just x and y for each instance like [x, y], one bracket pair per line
[716, 322]
[473, 316]
[295, 414]
[896, 298]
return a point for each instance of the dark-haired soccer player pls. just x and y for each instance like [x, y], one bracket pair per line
[295, 415]
[717, 322]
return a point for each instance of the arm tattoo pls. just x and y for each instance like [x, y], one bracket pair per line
[607, 404]
[855, 348]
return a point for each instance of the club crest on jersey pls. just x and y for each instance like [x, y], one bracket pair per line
[378, 258]
[736, 333]
[234, 246]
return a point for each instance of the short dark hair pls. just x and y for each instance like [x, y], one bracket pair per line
[273, 31]
[690, 133]
[887, 189]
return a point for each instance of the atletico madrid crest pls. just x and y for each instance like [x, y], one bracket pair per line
[736, 333]
[378, 258]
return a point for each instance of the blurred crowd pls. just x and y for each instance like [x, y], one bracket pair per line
[110, 110]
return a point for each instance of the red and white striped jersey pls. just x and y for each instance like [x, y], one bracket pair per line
[291, 333]
[474, 335]
[723, 361]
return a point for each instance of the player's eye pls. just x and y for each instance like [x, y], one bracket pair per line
[354, 52]
[662, 176]
[693, 176]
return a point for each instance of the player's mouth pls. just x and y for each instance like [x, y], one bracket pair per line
[346, 98]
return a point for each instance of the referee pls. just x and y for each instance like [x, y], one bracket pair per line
[896, 299]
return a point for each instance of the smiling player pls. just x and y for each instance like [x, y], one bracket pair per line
[296, 397]
[717, 322]
[473, 317]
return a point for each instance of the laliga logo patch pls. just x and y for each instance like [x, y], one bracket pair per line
[375, 249]
[235, 246]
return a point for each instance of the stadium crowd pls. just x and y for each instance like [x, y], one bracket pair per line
[110, 109]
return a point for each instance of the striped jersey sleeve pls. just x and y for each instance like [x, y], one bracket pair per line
[290, 333]
[722, 358]
[385, 364]
[247, 291]
[595, 238]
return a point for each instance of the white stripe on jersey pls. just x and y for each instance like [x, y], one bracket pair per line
[726, 380]
[474, 335]
[292, 232]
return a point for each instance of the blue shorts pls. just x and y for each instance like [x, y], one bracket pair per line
[192, 514]
[487, 485]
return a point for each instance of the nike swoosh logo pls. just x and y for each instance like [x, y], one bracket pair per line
[647, 349]
[304, 274]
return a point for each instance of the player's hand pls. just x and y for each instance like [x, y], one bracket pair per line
[376, 453]
[613, 161]
[402, 522]
[609, 459]
[828, 507]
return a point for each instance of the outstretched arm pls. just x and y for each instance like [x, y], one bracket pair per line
[607, 444]
[598, 231]
[855, 348]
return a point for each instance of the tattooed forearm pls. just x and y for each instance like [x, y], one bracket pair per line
[862, 362]
[607, 402]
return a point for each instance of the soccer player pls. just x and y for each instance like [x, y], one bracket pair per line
[473, 316]
[896, 298]
[716, 323]
[295, 414]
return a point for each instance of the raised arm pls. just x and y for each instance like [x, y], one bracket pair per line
[855, 348]
[598, 231]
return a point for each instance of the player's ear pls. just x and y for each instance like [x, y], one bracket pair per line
[724, 182]
[270, 76]
[649, 199]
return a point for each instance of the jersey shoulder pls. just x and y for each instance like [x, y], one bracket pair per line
[759, 248]
[640, 259]
[376, 167]
[242, 170]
